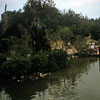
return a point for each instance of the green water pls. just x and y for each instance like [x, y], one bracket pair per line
[80, 82]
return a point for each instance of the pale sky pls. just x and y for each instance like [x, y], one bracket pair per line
[91, 8]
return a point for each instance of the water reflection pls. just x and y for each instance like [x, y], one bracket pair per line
[69, 84]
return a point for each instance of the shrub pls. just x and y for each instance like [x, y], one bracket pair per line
[57, 59]
[15, 68]
[39, 62]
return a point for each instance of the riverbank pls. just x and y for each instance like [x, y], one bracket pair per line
[33, 65]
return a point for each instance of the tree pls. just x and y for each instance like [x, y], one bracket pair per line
[95, 31]
[65, 34]
[44, 10]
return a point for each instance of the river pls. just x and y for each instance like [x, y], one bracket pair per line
[79, 82]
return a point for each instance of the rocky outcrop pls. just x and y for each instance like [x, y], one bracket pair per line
[60, 44]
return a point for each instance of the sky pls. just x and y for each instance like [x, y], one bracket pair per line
[91, 8]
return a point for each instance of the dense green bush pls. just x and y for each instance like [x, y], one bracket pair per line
[40, 62]
[15, 67]
[57, 59]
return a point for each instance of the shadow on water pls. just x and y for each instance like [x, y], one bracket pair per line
[61, 85]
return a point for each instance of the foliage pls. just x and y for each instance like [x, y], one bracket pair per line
[51, 17]
[15, 67]
[44, 9]
[43, 62]
[95, 30]
[57, 59]
[39, 62]
[65, 34]
[79, 43]
[66, 26]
